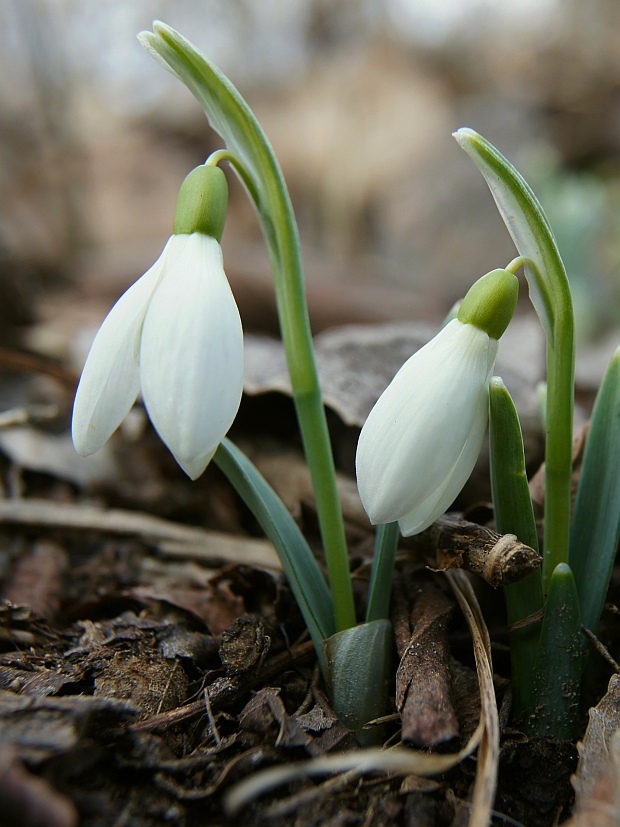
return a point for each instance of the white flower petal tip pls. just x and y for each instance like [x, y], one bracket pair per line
[196, 466]
[175, 336]
[421, 440]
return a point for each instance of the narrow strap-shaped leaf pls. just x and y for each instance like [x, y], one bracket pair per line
[559, 663]
[596, 519]
[300, 566]
[512, 503]
[252, 157]
[386, 546]
[514, 514]
[359, 670]
[550, 293]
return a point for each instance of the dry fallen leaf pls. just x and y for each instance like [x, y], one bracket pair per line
[357, 362]
[597, 780]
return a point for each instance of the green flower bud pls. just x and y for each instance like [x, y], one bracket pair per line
[202, 202]
[490, 302]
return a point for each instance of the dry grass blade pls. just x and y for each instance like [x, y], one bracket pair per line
[397, 760]
[401, 761]
[488, 751]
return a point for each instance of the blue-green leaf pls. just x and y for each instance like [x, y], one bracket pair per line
[512, 503]
[595, 529]
[514, 514]
[359, 662]
[559, 662]
[551, 297]
[380, 589]
[300, 566]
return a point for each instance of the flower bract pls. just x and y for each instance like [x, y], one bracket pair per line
[422, 438]
[176, 337]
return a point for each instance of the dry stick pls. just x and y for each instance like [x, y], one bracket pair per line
[499, 559]
[449, 543]
[601, 649]
[171, 538]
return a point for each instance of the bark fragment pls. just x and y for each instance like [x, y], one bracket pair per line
[423, 675]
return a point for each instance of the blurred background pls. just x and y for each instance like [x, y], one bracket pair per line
[359, 99]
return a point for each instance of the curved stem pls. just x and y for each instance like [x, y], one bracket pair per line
[380, 589]
[516, 264]
[558, 451]
[559, 416]
[255, 161]
[299, 348]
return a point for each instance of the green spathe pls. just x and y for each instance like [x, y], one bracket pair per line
[202, 202]
[490, 302]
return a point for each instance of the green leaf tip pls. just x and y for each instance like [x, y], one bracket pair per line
[202, 203]
[148, 41]
[559, 663]
[490, 302]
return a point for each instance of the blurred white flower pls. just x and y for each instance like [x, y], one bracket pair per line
[176, 337]
[422, 438]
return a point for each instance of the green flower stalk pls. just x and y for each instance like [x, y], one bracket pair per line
[548, 668]
[175, 337]
[253, 159]
[551, 297]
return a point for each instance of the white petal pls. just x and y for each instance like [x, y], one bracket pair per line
[413, 437]
[425, 514]
[191, 356]
[110, 379]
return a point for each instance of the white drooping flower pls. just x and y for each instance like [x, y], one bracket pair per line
[175, 337]
[421, 440]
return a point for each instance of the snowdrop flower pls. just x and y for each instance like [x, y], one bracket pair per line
[422, 438]
[175, 336]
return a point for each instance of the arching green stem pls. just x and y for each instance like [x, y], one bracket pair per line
[551, 297]
[248, 149]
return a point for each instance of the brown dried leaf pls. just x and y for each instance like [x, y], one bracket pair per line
[357, 362]
[597, 780]
[42, 727]
[55, 454]
[266, 709]
[244, 646]
[29, 801]
[36, 578]
[423, 675]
